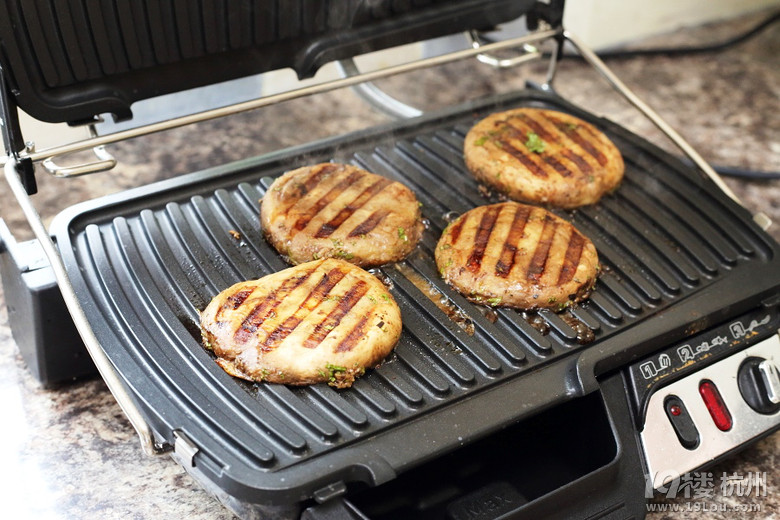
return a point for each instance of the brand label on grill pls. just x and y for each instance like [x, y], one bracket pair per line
[486, 503]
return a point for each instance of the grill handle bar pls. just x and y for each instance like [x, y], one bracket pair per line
[85, 144]
[103, 364]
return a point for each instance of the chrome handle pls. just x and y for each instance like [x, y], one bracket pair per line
[530, 53]
[105, 161]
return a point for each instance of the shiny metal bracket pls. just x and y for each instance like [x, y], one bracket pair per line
[529, 53]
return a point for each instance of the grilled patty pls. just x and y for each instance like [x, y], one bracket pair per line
[543, 156]
[516, 255]
[341, 211]
[321, 321]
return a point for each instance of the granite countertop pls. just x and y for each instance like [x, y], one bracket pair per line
[69, 452]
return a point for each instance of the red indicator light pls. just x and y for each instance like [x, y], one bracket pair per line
[715, 405]
[675, 410]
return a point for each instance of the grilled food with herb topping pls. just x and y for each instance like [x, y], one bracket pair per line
[341, 211]
[544, 157]
[516, 255]
[322, 321]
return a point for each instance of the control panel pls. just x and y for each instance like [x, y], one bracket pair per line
[711, 411]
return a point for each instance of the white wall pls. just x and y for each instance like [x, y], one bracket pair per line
[605, 23]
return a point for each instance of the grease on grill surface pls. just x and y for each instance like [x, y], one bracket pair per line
[442, 302]
[321, 321]
[584, 334]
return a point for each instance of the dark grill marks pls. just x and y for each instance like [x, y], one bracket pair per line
[370, 223]
[485, 228]
[574, 135]
[550, 138]
[326, 199]
[456, 228]
[539, 260]
[507, 259]
[329, 227]
[262, 311]
[312, 300]
[353, 337]
[316, 177]
[521, 156]
[581, 163]
[572, 258]
[234, 301]
[331, 321]
[508, 130]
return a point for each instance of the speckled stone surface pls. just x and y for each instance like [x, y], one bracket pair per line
[69, 453]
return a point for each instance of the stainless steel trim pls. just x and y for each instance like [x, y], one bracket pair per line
[103, 364]
[666, 458]
[328, 86]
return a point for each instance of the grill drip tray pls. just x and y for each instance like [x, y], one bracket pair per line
[675, 252]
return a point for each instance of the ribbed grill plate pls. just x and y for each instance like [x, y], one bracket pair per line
[146, 261]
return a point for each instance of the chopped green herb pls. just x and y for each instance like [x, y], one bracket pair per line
[340, 253]
[552, 300]
[446, 246]
[591, 178]
[402, 234]
[481, 141]
[494, 301]
[371, 298]
[535, 143]
[315, 255]
[385, 297]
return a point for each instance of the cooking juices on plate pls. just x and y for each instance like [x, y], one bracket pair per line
[328, 320]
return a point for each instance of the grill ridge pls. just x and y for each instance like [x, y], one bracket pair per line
[121, 250]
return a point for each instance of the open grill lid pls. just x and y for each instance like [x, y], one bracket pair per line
[68, 61]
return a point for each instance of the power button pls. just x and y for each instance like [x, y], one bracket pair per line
[681, 422]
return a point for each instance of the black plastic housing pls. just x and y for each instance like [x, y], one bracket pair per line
[40, 323]
[678, 256]
[70, 60]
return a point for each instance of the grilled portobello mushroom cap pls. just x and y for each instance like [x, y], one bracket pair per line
[321, 321]
[516, 255]
[543, 157]
[340, 211]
